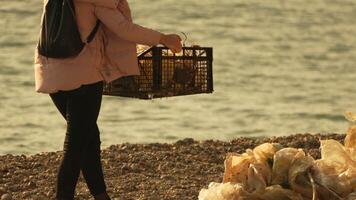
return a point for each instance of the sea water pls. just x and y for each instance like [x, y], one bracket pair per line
[280, 67]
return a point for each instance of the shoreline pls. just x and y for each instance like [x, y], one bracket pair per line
[151, 171]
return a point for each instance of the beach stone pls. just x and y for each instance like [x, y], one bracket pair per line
[6, 197]
[25, 193]
[2, 191]
[125, 167]
[49, 194]
[31, 184]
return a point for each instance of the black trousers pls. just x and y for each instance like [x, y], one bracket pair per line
[81, 150]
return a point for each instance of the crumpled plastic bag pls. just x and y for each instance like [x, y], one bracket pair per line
[298, 177]
[236, 167]
[229, 191]
[264, 154]
[256, 182]
[334, 154]
[276, 192]
[336, 170]
[266, 151]
[350, 140]
[331, 185]
[281, 163]
[251, 169]
[221, 191]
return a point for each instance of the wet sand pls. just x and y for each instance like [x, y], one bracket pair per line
[155, 171]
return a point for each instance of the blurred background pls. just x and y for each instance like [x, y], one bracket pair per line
[280, 67]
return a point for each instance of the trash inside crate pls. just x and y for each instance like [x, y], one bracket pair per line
[165, 74]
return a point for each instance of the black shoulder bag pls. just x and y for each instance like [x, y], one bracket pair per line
[59, 35]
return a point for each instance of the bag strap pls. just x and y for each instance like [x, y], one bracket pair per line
[93, 32]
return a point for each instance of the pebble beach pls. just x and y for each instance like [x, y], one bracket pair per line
[154, 171]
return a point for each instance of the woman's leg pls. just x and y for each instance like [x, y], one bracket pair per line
[60, 101]
[66, 173]
[80, 108]
[92, 167]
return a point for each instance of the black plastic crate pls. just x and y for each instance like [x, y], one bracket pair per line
[165, 74]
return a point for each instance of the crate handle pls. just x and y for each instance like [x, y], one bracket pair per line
[185, 39]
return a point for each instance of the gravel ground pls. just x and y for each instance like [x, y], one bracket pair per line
[155, 171]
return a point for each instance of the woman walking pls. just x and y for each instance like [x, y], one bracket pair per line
[75, 85]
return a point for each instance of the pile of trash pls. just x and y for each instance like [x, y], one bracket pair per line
[270, 172]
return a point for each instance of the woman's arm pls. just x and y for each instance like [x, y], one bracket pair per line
[124, 8]
[123, 28]
[120, 22]
[104, 3]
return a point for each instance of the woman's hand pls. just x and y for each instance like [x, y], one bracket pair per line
[172, 41]
[124, 8]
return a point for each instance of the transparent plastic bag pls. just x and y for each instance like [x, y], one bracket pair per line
[336, 170]
[334, 154]
[298, 177]
[221, 191]
[281, 163]
[350, 140]
[350, 143]
[276, 192]
[253, 163]
[265, 151]
[256, 182]
[331, 184]
[236, 167]
[264, 154]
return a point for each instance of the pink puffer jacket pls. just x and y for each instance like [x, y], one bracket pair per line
[110, 55]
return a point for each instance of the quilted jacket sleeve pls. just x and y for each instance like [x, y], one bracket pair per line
[115, 21]
[104, 3]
